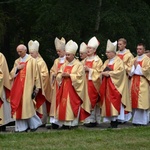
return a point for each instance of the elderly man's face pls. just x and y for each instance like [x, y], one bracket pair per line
[34, 54]
[83, 55]
[90, 51]
[21, 51]
[61, 53]
[69, 57]
[110, 54]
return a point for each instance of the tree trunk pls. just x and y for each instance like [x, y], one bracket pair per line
[98, 16]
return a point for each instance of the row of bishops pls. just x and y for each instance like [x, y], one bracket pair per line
[73, 91]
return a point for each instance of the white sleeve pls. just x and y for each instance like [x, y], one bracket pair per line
[132, 71]
[90, 74]
[138, 70]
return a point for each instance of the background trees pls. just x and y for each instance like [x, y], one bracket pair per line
[78, 20]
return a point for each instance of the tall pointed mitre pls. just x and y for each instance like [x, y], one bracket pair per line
[93, 42]
[111, 47]
[71, 47]
[83, 48]
[33, 46]
[60, 43]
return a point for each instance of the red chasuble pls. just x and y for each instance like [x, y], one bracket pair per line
[93, 94]
[1, 102]
[135, 88]
[110, 95]
[67, 90]
[17, 92]
[59, 65]
[40, 99]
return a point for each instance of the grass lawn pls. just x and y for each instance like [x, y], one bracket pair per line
[79, 139]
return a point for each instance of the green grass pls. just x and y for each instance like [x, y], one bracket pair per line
[79, 139]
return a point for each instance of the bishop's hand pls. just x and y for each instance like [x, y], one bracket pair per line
[135, 63]
[65, 74]
[106, 73]
[20, 66]
[86, 69]
[34, 93]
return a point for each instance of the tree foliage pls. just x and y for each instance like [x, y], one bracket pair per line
[78, 20]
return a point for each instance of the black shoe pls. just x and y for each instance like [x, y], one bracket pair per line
[121, 123]
[33, 130]
[114, 124]
[134, 124]
[11, 123]
[25, 130]
[64, 128]
[48, 126]
[137, 125]
[91, 124]
[3, 128]
[73, 127]
[43, 125]
[55, 126]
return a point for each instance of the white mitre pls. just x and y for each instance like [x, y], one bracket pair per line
[71, 47]
[111, 47]
[60, 43]
[83, 48]
[93, 42]
[33, 46]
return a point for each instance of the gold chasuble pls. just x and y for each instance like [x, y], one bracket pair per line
[72, 99]
[22, 106]
[4, 85]
[44, 93]
[114, 89]
[140, 87]
[94, 82]
[126, 57]
[54, 87]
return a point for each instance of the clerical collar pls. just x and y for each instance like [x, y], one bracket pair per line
[72, 62]
[24, 58]
[90, 58]
[111, 61]
[62, 59]
[139, 58]
[123, 51]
